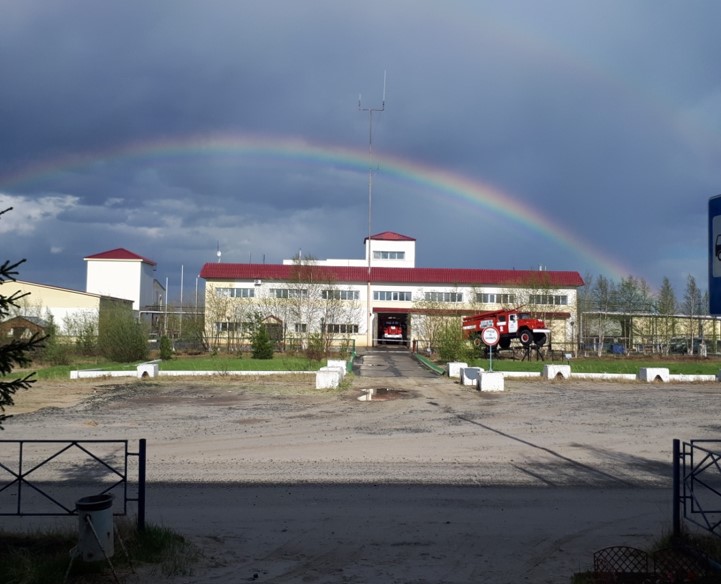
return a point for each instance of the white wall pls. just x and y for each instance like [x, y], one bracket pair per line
[117, 278]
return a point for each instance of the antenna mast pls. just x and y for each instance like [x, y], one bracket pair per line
[371, 110]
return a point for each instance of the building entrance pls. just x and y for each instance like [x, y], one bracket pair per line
[392, 329]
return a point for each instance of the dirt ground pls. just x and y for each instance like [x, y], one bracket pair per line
[430, 481]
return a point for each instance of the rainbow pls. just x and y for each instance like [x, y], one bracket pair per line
[442, 184]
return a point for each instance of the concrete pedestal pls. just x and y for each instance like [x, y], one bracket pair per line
[454, 369]
[556, 371]
[490, 381]
[328, 377]
[469, 375]
[341, 363]
[651, 374]
[148, 370]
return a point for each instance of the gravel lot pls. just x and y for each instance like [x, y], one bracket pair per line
[430, 482]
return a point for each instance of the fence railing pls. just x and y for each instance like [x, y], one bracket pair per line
[45, 477]
[697, 484]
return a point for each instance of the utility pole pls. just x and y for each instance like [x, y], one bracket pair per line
[370, 110]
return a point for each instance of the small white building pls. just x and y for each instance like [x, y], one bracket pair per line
[123, 274]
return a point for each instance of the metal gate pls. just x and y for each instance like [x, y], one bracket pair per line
[46, 477]
[697, 484]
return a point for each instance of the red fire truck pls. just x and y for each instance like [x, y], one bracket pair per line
[511, 324]
[392, 331]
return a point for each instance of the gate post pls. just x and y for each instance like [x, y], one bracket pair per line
[141, 484]
[676, 488]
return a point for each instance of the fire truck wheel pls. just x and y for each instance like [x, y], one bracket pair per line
[477, 342]
[526, 337]
[539, 339]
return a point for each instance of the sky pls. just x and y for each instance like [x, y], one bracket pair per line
[563, 135]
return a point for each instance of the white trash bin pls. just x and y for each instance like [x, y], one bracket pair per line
[95, 522]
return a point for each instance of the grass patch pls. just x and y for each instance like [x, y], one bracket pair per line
[43, 557]
[223, 363]
[191, 363]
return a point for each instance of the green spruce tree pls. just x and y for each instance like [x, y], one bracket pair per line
[17, 352]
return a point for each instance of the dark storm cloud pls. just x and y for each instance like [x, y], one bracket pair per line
[603, 117]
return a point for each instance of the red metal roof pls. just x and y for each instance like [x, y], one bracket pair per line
[356, 274]
[120, 253]
[389, 236]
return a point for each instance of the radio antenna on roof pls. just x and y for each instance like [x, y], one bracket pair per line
[371, 110]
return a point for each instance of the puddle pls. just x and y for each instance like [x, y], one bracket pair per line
[380, 394]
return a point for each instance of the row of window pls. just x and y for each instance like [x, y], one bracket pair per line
[398, 296]
[392, 296]
[236, 292]
[389, 255]
[299, 327]
[491, 298]
[559, 299]
[444, 297]
[341, 294]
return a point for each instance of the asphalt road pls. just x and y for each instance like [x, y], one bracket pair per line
[390, 362]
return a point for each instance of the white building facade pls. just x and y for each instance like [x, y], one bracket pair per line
[355, 299]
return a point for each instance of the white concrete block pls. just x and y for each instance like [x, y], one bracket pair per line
[556, 371]
[469, 375]
[454, 369]
[327, 378]
[490, 381]
[147, 370]
[651, 374]
[339, 363]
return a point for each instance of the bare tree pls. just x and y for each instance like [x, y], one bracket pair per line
[601, 296]
[632, 296]
[666, 308]
[692, 306]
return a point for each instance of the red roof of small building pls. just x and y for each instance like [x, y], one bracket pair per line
[389, 236]
[355, 274]
[120, 253]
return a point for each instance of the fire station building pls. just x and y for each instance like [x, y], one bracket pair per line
[357, 299]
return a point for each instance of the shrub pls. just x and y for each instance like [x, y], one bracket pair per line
[121, 337]
[261, 344]
[316, 347]
[451, 345]
[166, 348]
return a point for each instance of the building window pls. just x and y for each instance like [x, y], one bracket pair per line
[289, 293]
[341, 295]
[342, 329]
[556, 299]
[444, 296]
[227, 327]
[301, 327]
[491, 298]
[392, 296]
[389, 255]
[236, 292]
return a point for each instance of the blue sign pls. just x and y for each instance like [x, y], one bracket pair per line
[714, 263]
